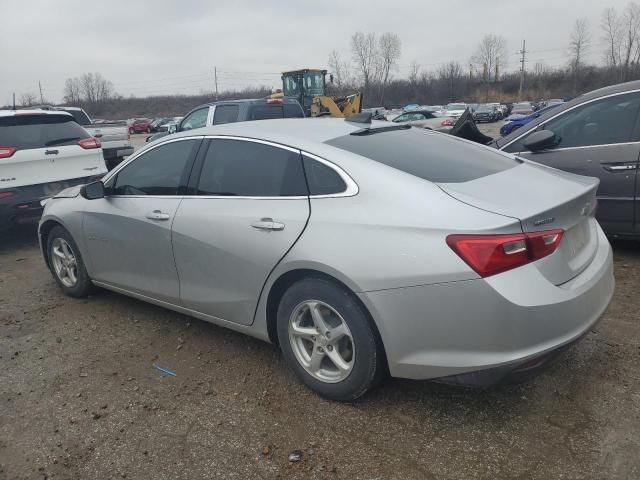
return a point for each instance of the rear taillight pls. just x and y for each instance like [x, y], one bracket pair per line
[4, 195]
[491, 254]
[446, 123]
[274, 101]
[89, 143]
[6, 152]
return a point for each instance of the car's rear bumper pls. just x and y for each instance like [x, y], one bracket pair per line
[117, 152]
[497, 325]
[24, 203]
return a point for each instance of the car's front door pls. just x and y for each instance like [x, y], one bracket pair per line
[601, 139]
[249, 206]
[128, 233]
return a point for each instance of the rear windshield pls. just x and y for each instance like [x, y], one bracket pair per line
[39, 131]
[79, 117]
[431, 156]
[265, 112]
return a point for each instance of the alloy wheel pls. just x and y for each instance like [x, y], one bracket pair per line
[321, 341]
[64, 262]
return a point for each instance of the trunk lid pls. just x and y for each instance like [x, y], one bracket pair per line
[541, 198]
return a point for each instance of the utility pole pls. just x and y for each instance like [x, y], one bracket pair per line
[14, 100]
[41, 97]
[522, 52]
[215, 78]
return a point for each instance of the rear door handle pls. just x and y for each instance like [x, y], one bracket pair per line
[51, 152]
[620, 167]
[157, 215]
[267, 224]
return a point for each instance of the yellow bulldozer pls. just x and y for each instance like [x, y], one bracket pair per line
[309, 86]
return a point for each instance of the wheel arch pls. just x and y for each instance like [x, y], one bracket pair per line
[286, 279]
[43, 232]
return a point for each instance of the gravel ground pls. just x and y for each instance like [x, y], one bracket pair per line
[80, 399]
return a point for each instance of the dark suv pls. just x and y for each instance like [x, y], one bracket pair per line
[230, 111]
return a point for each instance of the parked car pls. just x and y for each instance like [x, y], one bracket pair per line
[159, 122]
[522, 108]
[41, 153]
[522, 120]
[486, 113]
[358, 248]
[595, 134]
[140, 125]
[113, 136]
[230, 111]
[425, 119]
[455, 110]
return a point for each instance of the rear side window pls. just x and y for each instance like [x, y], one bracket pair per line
[40, 131]
[265, 112]
[225, 114]
[322, 180]
[157, 172]
[431, 156]
[249, 169]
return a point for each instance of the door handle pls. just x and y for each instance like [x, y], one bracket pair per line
[51, 152]
[267, 224]
[620, 168]
[157, 215]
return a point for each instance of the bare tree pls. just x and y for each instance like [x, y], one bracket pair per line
[340, 71]
[28, 99]
[579, 42]
[630, 31]
[389, 49]
[491, 56]
[94, 88]
[611, 26]
[414, 73]
[72, 88]
[451, 73]
[365, 55]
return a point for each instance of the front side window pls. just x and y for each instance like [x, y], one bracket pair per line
[197, 119]
[607, 121]
[250, 169]
[157, 172]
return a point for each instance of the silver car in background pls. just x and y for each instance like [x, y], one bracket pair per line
[361, 249]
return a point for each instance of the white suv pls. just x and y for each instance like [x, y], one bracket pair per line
[41, 153]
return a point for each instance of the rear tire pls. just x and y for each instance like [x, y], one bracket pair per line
[327, 339]
[66, 264]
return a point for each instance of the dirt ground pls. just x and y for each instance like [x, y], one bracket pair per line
[80, 398]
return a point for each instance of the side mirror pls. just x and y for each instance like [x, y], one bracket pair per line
[93, 191]
[172, 128]
[541, 140]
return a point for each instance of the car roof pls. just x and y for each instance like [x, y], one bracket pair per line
[287, 100]
[297, 132]
[14, 113]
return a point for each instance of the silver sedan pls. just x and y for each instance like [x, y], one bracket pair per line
[361, 249]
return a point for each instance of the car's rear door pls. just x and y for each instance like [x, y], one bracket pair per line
[128, 232]
[249, 206]
[599, 138]
[47, 149]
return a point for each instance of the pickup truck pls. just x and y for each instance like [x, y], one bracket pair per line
[114, 136]
[229, 111]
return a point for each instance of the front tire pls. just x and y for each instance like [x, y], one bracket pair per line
[67, 265]
[327, 339]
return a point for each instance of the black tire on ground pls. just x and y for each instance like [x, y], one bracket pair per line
[83, 286]
[369, 364]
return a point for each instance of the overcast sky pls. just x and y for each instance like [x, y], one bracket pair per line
[165, 47]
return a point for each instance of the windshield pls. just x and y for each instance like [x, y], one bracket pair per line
[522, 106]
[79, 116]
[456, 106]
[485, 108]
[313, 83]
